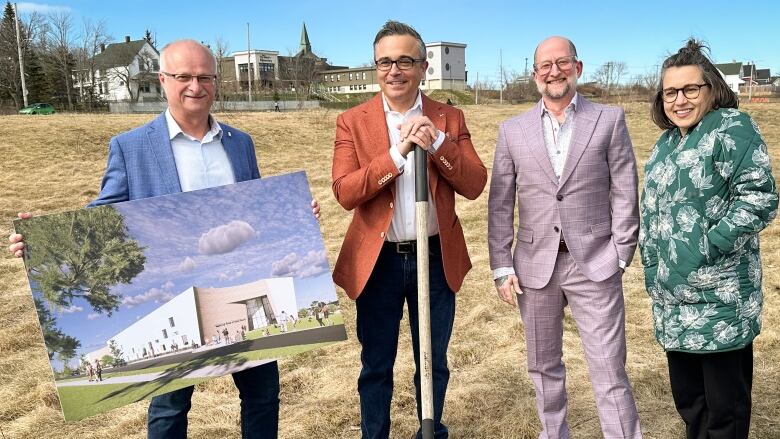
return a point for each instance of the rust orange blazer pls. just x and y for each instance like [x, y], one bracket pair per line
[364, 180]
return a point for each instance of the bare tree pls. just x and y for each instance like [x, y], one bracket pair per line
[94, 35]
[608, 76]
[61, 42]
[300, 73]
[221, 48]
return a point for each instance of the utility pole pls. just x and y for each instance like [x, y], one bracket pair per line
[501, 79]
[525, 73]
[476, 86]
[248, 62]
[21, 59]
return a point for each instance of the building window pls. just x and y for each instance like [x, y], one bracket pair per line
[430, 54]
[339, 77]
[447, 67]
[364, 76]
[446, 50]
[430, 70]
[165, 333]
[350, 76]
[144, 87]
[185, 340]
[156, 65]
[170, 322]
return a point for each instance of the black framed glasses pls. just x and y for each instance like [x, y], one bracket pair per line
[185, 78]
[403, 63]
[690, 91]
[564, 63]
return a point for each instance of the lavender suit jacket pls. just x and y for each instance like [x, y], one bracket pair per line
[593, 207]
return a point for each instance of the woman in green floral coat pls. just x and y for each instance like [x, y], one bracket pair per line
[708, 192]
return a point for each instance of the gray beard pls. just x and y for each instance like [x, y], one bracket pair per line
[545, 91]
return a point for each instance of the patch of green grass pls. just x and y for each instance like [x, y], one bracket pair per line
[78, 402]
[303, 323]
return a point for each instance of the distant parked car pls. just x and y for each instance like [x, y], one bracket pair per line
[37, 109]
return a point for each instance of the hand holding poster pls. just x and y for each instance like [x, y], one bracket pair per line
[140, 298]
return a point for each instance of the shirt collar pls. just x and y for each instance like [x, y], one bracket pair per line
[417, 103]
[575, 101]
[215, 130]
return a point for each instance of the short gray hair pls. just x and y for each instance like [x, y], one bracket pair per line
[185, 41]
[397, 28]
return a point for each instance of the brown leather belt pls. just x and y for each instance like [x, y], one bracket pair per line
[562, 248]
[405, 247]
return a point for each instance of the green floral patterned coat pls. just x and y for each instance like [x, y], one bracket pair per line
[706, 196]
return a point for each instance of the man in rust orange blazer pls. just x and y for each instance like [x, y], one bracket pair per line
[373, 173]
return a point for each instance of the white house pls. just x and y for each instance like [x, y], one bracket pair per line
[125, 71]
[197, 315]
[732, 74]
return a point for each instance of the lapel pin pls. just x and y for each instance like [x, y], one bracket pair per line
[230, 134]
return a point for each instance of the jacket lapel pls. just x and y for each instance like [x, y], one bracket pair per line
[433, 110]
[534, 135]
[160, 145]
[584, 125]
[235, 155]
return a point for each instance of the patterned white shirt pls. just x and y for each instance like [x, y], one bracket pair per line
[557, 136]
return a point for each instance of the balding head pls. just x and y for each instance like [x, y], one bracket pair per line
[554, 41]
[184, 48]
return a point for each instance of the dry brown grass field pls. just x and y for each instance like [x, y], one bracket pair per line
[55, 163]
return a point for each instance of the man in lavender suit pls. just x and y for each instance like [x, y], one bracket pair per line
[569, 164]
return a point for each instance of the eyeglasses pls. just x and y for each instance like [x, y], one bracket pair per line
[403, 63]
[690, 91]
[564, 64]
[185, 78]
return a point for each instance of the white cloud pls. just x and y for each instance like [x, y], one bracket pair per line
[71, 309]
[311, 264]
[93, 316]
[155, 294]
[225, 238]
[42, 8]
[168, 285]
[187, 265]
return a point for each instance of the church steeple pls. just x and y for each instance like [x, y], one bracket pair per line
[305, 44]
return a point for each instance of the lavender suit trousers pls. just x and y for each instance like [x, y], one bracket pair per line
[598, 310]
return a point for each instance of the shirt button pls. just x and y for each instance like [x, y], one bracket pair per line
[559, 197]
[391, 204]
[382, 234]
[556, 229]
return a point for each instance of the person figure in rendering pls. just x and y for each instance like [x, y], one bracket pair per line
[98, 371]
[708, 192]
[283, 322]
[90, 371]
[373, 174]
[569, 164]
[185, 148]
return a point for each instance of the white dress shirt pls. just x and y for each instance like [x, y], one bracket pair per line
[403, 226]
[200, 163]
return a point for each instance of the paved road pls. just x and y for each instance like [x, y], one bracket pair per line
[192, 362]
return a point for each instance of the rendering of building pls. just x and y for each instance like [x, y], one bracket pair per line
[199, 316]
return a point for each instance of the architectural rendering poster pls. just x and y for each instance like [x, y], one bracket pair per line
[140, 298]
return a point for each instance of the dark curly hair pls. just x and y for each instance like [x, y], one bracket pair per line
[693, 54]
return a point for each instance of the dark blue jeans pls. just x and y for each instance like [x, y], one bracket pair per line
[258, 389]
[379, 312]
